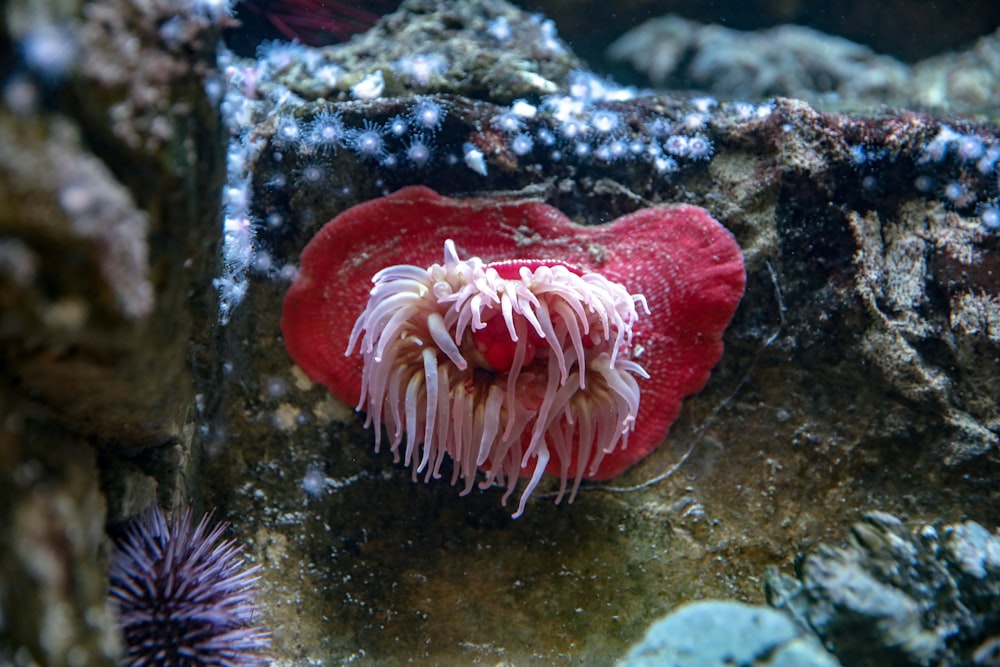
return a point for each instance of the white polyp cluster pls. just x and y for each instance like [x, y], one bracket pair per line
[567, 385]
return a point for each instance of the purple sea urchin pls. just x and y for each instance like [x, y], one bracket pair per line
[183, 597]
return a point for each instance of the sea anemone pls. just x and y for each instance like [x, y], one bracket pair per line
[318, 22]
[183, 597]
[488, 363]
[528, 347]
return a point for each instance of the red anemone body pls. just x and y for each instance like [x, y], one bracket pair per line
[688, 267]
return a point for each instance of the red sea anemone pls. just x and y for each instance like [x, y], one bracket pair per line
[319, 22]
[527, 348]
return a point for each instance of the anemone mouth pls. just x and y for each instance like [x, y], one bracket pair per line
[502, 367]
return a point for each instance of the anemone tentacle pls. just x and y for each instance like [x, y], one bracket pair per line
[500, 367]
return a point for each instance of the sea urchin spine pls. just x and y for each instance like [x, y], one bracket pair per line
[183, 597]
[494, 364]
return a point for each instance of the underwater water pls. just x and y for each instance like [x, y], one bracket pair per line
[499, 333]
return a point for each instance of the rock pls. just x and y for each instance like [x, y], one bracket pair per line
[52, 576]
[964, 79]
[716, 633]
[787, 60]
[796, 61]
[109, 197]
[917, 30]
[896, 595]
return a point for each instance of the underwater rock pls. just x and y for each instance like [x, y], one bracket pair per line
[896, 595]
[797, 61]
[717, 633]
[787, 60]
[967, 79]
[909, 32]
[109, 178]
[492, 51]
[52, 578]
[109, 185]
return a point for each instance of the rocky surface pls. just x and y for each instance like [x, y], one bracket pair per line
[860, 371]
[910, 31]
[896, 595]
[109, 180]
[795, 61]
[716, 634]
[788, 60]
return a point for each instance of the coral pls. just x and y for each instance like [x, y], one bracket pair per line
[368, 141]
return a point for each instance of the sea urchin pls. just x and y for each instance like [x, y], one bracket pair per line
[183, 597]
[529, 355]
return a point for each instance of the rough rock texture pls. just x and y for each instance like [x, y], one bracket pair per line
[896, 595]
[907, 29]
[795, 61]
[860, 371]
[718, 634]
[966, 77]
[788, 60]
[109, 178]
[461, 48]
[91, 313]
[52, 583]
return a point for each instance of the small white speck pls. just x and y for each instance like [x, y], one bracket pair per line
[370, 87]
[523, 109]
[474, 159]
